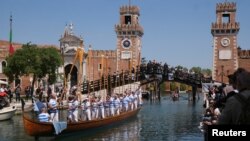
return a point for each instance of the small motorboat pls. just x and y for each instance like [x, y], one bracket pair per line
[7, 112]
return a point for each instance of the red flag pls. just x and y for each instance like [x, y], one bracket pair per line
[11, 48]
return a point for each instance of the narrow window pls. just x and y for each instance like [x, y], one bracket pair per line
[4, 64]
[127, 19]
[99, 66]
[226, 18]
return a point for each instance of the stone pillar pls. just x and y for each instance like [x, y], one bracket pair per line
[167, 86]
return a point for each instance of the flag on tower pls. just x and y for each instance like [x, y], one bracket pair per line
[11, 48]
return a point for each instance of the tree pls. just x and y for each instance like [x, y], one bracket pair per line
[196, 69]
[183, 87]
[173, 86]
[143, 61]
[179, 67]
[206, 72]
[35, 61]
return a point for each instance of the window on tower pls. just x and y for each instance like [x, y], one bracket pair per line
[128, 19]
[100, 67]
[226, 18]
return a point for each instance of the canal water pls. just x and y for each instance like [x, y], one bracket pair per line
[166, 120]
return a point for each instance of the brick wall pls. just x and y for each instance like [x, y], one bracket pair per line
[245, 63]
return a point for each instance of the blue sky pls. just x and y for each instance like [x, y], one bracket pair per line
[175, 31]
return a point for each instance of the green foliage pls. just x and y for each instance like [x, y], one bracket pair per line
[196, 69]
[179, 67]
[173, 86]
[183, 87]
[143, 61]
[206, 72]
[32, 60]
[163, 86]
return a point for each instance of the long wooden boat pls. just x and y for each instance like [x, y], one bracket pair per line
[35, 128]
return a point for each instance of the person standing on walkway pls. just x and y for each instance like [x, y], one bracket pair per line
[17, 92]
[9, 92]
[27, 92]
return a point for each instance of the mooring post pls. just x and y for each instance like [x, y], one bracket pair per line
[159, 91]
[194, 89]
[155, 90]
[159, 94]
[151, 91]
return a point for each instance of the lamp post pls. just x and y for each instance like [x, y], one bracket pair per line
[222, 73]
[102, 65]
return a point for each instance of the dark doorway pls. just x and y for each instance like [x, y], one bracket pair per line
[73, 79]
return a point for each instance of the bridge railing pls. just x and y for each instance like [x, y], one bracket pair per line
[147, 74]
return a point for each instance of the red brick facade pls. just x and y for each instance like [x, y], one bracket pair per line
[226, 55]
[244, 59]
[4, 52]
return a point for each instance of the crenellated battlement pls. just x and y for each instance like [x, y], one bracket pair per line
[226, 6]
[103, 53]
[244, 54]
[130, 10]
[235, 25]
[129, 27]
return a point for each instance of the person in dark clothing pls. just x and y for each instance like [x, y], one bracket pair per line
[27, 92]
[10, 95]
[232, 81]
[39, 93]
[49, 92]
[18, 92]
[233, 108]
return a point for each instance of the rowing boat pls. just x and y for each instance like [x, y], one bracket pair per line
[35, 128]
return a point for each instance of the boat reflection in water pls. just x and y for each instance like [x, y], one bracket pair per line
[128, 130]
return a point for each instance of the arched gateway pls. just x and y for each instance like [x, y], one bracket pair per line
[69, 44]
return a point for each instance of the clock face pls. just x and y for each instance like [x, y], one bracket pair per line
[126, 43]
[225, 42]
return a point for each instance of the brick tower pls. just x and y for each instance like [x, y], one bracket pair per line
[224, 31]
[129, 33]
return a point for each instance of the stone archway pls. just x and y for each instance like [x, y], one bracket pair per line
[73, 79]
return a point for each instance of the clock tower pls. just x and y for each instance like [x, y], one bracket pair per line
[129, 33]
[224, 31]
